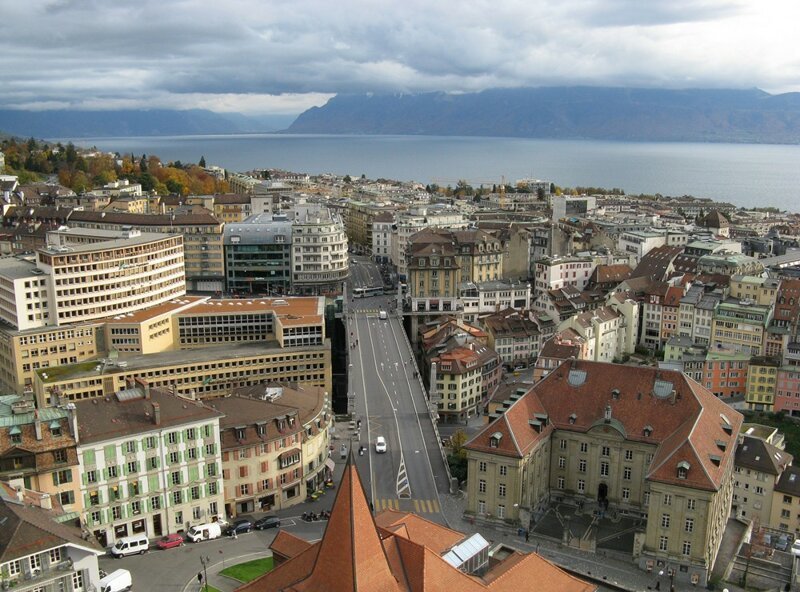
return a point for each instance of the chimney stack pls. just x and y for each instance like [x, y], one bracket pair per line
[72, 417]
[37, 424]
[156, 413]
[45, 502]
[20, 493]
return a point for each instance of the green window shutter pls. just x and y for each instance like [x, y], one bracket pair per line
[110, 452]
[83, 477]
[153, 485]
[105, 474]
[194, 474]
[87, 500]
[205, 471]
[55, 479]
[88, 457]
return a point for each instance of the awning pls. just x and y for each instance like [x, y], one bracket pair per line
[329, 464]
[14, 431]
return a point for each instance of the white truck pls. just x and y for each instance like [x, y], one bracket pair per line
[204, 532]
[116, 581]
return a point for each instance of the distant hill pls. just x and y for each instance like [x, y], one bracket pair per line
[155, 122]
[567, 112]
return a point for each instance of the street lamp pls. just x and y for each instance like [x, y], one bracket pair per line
[205, 561]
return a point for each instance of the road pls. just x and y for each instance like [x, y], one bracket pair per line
[391, 402]
[364, 273]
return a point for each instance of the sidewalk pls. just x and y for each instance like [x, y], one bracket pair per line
[219, 581]
[601, 568]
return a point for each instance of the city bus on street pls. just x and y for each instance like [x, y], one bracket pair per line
[367, 292]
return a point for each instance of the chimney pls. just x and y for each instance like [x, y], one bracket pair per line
[37, 424]
[147, 390]
[20, 493]
[156, 413]
[45, 502]
[72, 417]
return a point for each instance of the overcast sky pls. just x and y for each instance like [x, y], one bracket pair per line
[283, 56]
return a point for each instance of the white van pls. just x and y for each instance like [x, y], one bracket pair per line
[382, 315]
[204, 532]
[116, 581]
[130, 545]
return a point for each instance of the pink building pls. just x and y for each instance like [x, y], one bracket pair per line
[787, 393]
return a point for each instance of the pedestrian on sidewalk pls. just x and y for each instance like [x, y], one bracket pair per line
[527, 534]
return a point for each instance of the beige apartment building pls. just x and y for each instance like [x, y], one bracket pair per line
[87, 275]
[274, 445]
[644, 442]
[758, 466]
[202, 240]
[785, 514]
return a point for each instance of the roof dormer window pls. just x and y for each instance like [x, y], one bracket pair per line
[240, 433]
[683, 469]
[494, 439]
[648, 431]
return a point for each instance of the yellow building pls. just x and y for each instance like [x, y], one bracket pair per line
[274, 446]
[740, 325]
[231, 208]
[756, 289]
[762, 383]
[645, 442]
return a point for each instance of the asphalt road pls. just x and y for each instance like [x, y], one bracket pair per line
[391, 403]
[364, 273]
[172, 569]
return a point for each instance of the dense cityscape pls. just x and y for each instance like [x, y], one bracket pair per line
[314, 378]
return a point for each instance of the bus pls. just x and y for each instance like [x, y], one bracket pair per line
[367, 292]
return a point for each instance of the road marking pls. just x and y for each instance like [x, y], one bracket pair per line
[426, 506]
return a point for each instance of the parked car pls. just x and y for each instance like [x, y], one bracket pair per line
[240, 527]
[784, 542]
[796, 548]
[117, 581]
[169, 541]
[380, 444]
[204, 532]
[267, 522]
[132, 545]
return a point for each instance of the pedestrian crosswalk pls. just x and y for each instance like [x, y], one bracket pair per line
[418, 506]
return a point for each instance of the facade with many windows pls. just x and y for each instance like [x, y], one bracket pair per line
[643, 442]
[150, 463]
[274, 446]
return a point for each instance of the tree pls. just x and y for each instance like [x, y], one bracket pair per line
[202, 162]
[143, 163]
[348, 179]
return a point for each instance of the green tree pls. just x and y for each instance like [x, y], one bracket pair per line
[202, 162]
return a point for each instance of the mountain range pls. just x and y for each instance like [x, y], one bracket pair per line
[567, 112]
[602, 113]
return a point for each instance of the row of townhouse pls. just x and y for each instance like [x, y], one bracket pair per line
[147, 461]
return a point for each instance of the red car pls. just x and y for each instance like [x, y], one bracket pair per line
[169, 541]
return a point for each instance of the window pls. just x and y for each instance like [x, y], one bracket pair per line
[242, 453]
[481, 506]
[150, 442]
[152, 463]
[212, 469]
[785, 513]
[503, 470]
[60, 456]
[689, 525]
[604, 469]
[155, 502]
[77, 581]
[172, 438]
[582, 465]
[113, 472]
[787, 499]
[482, 486]
[195, 492]
[584, 447]
[174, 458]
[581, 485]
[196, 513]
[482, 466]
[606, 451]
[191, 434]
[210, 449]
[55, 555]
[626, 473]
[116, 513]
[626, 494]
[178, 517]
[212, 488]
[176, 478]
[664, 520]
[646, 498]
[136, 507]
[663, 543]
[687, 547]
[691, 503]
[501, 511]
[245, 489]
[192, 453]
[563, 444]
[66, 497]
[667, 499]
[629, 455]
[177, 498]
[91, 476]
[130, 447]
[560, 482]
[35, 562]
[94, 498]
[562, 462]
[133, 467]
[64, 476]
[501, 490]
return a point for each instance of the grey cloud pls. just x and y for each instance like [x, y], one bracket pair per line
[86, 51]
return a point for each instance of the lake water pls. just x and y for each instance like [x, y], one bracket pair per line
[744, 174]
